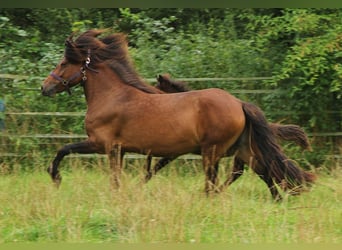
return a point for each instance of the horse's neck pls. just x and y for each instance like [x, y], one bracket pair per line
[104, 84]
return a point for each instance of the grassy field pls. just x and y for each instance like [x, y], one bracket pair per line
[170, 208]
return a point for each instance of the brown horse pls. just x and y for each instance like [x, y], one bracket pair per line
[127, 115]
[288, 132]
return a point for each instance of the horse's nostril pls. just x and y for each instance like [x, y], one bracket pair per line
[43, 91]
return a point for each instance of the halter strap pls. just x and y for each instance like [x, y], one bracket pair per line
[66, 82]
[76, 75]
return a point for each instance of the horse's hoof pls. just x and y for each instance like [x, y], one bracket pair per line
[278, 199]
[57, 180]
[57, 184]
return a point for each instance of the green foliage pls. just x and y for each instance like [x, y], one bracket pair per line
[208, 50]
[305, 46]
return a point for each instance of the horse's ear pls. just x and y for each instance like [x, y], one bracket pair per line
[69, 43]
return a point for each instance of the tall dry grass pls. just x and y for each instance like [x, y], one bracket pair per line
[170, 208]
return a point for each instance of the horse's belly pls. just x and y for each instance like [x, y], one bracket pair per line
[163, 146]
[174, 150]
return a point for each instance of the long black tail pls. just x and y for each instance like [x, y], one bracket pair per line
[290, 132]
[269, 154]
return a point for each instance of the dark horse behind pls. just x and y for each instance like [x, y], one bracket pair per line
[127, 115]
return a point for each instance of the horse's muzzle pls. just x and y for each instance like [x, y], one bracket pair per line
[48, 91]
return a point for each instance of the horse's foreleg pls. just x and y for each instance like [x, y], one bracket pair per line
[237, 171]
[84, 147]
[159, 165]
[211, 179]
[115, 160]
[214, 177]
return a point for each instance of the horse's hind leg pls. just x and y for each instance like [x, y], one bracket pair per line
[264, 174]
[237, 171]
[84, 147]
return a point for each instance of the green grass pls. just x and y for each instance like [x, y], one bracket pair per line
[170, 208]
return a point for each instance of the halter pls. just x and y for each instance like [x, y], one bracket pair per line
[76, 75]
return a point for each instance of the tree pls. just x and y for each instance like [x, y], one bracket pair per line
[304, 46]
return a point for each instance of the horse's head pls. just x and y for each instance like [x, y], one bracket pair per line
[71, 70]
[62, 78]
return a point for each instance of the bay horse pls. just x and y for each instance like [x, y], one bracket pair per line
[287, 132]
[124, 114]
